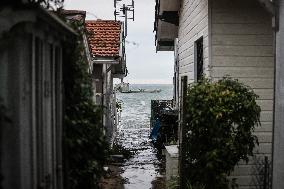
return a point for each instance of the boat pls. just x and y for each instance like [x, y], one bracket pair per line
[124, 88]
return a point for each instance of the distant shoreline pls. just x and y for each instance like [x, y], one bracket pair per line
[148, 84]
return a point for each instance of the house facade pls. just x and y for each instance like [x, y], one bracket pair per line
[31, 56]
[107, 47]
[225, 38]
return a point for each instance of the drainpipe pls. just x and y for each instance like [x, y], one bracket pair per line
[278, 130]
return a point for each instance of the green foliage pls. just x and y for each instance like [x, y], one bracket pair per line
[173, 183]
[221, 118]
[48, 4]
[84, 140]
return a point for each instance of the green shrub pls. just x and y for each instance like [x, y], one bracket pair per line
[173, 183]
[220, 120]
[84, 140]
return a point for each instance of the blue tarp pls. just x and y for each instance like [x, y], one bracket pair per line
[155, 131]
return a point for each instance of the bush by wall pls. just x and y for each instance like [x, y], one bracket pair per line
[220, 120]
[84, 141]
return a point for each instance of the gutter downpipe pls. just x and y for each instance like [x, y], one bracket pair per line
[278, 127]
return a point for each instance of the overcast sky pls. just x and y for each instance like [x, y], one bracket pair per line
[144, 64]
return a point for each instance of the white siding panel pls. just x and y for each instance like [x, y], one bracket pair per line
[266, 116]
[265, 127]
[240, 61]
[242, 29]
[263, 87]
[239, 17]
[193, 25]
[187, 68]
[242, 40]
[264, 94]
[242, 47]
[265, 137]
[246, 72]
[187, 60]
[186, 53]
[243, 51]
[265, 105]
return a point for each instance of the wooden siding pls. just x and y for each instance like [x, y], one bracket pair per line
[193, 25]
[242, 47]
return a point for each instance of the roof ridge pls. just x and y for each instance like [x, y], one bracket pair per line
[104, 37]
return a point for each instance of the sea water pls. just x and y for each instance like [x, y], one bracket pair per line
[134, 131]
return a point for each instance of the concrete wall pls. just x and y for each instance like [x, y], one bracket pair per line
[171, 163]
[193, 25]
[242, 47]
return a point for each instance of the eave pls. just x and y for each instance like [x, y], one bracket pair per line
[33, 14]
[166, 24]
[106, 60]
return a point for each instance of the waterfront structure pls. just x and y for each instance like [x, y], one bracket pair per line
[236, 38]
[107, 46]
[31, 59]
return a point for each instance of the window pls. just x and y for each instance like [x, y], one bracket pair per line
[198, 54]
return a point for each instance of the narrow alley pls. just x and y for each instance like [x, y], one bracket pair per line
[141, 94]
[142, 170]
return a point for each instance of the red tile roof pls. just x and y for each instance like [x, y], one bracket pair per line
[104, 37]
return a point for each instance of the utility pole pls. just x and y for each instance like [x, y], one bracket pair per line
[122, 11]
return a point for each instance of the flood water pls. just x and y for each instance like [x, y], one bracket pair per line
[141, 170]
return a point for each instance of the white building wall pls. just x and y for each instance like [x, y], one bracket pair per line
[108, 101]
[242, 47]
[193, 24]
[238, 41]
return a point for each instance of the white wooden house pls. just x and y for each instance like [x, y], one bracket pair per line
[217, 38]
[107, 47]
[31, 56]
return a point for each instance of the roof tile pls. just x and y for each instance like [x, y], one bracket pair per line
[104, 37]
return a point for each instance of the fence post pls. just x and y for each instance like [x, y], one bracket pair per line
[266, 173]
[181, 131]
